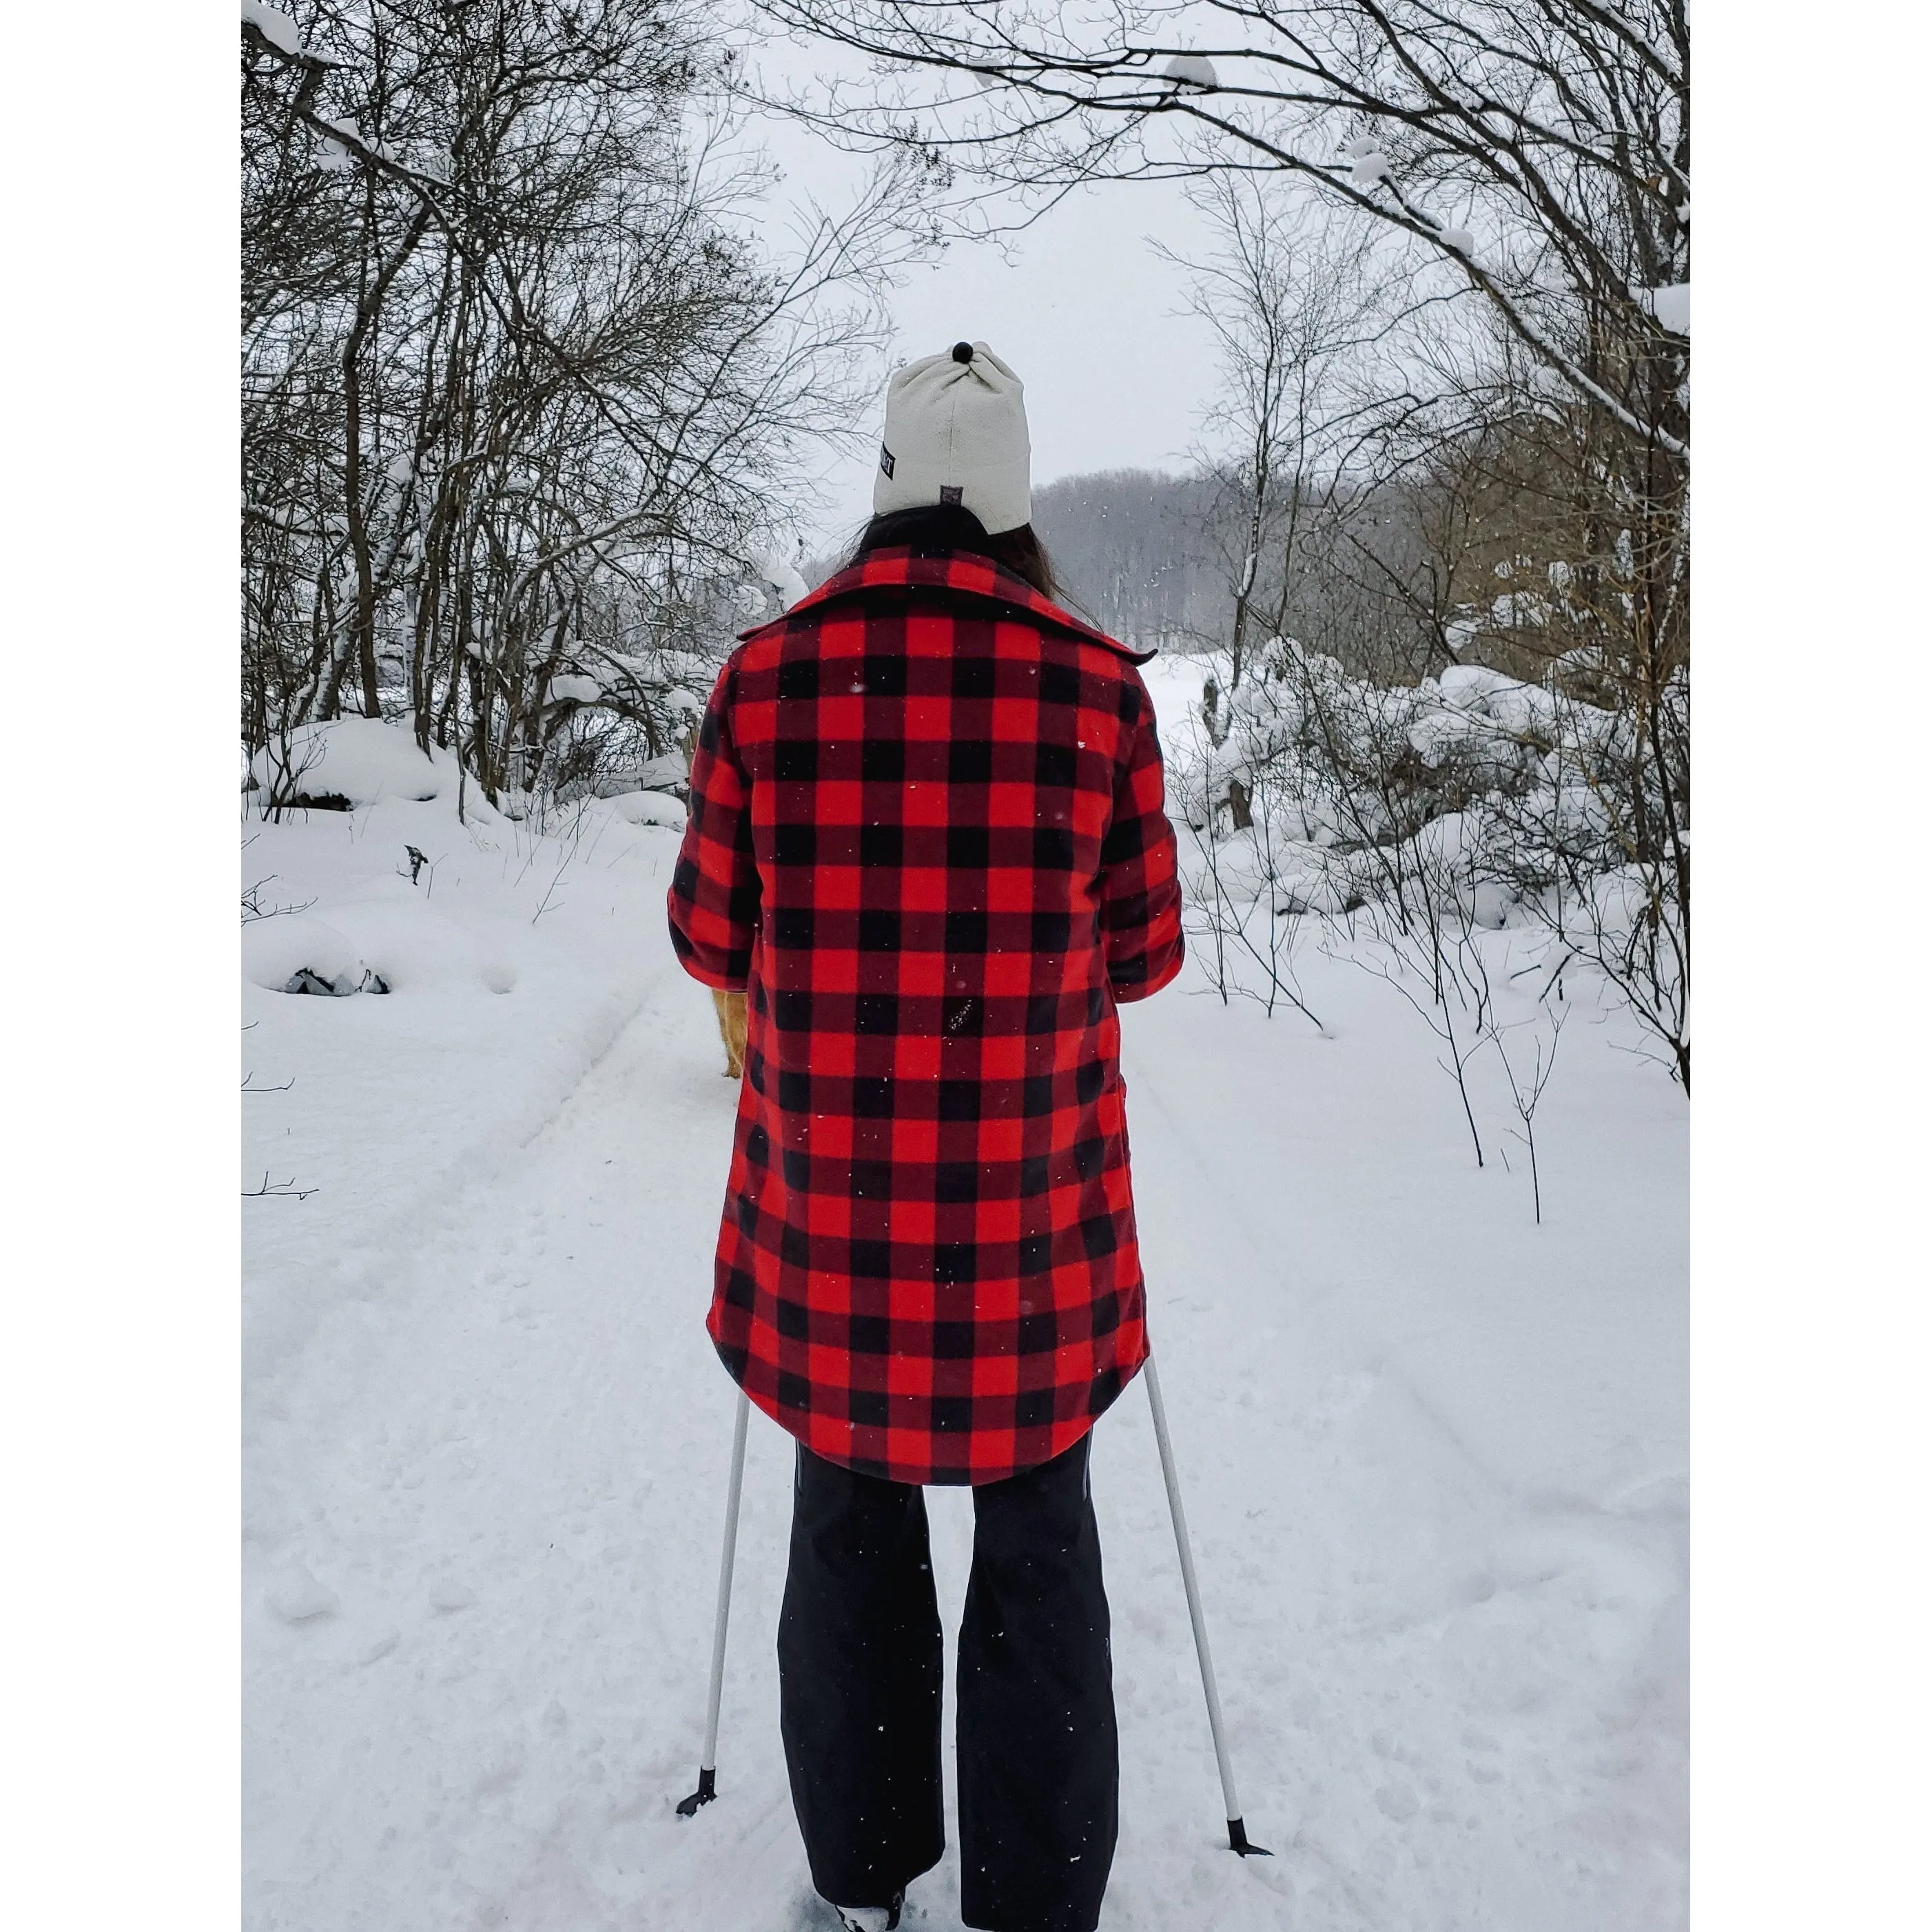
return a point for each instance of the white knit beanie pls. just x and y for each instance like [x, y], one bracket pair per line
[956, 433]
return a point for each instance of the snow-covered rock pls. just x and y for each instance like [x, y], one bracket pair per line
[296, 1598]
[413, 947]
[1434, 734]
[1491, 904]
[294, 953]
[649, 808]
[356, 760]
[1469, 686]
[650, 775]
[1520, 710]
[1526, 710]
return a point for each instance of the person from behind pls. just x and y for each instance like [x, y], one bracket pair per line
[927, 840]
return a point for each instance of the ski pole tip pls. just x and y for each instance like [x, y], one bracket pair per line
[707, 1790]
[1237, 1842]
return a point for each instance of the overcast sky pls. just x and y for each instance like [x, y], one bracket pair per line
[1084, 311]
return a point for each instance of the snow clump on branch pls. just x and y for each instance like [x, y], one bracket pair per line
[1192, 71]
[276, 27]
[1670, 307]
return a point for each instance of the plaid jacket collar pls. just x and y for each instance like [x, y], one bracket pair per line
[960, 574]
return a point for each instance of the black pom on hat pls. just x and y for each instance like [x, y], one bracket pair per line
[962, 352]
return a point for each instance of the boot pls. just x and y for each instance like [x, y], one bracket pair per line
[872, 1918]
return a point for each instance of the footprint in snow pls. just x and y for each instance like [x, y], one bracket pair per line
[379, 1645]
[446, 1595]
[296, 1598]
[1397, 1802]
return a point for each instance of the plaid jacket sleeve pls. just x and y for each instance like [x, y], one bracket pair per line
[1140, 886]
[713, 901]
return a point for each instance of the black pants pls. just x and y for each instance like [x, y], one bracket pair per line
[859, 1667]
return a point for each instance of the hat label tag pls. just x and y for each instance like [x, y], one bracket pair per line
[886, 460]
[952, 493]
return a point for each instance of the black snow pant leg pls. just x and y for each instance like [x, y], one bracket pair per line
[1039, 1753]
[860, 1674]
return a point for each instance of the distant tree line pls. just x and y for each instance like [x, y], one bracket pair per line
[1396, 577]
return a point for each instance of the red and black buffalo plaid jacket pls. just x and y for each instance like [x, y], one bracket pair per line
[926, 835]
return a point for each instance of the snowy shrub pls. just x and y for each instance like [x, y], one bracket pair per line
[1424, 814]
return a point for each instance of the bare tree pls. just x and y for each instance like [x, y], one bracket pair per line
[1293, 299]
[526, 390]
[1556, 136]
[1527, 1066]
[1534, 160]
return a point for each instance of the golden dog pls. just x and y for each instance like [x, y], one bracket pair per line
[731, 1030]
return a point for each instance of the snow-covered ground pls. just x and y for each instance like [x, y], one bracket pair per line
[1435, 1453]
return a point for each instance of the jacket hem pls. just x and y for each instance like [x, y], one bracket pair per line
[943, 1479]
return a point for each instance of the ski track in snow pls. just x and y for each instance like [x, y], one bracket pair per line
[1433, 1458]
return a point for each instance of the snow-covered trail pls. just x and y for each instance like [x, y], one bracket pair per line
[1433, 1456]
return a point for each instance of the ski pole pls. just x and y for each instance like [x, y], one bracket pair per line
[1237, 1836]
[707, 1765]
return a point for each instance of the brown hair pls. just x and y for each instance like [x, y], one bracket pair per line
[931, 528]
